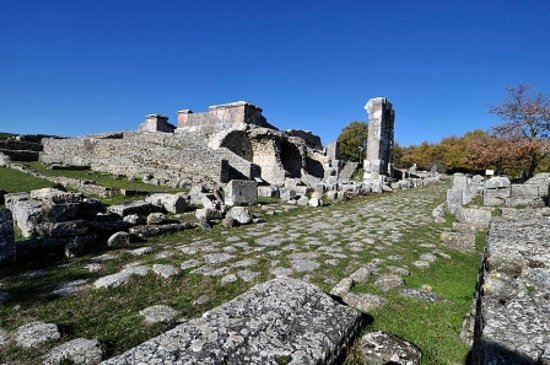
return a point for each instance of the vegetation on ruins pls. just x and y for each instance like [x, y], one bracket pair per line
[352, 141]
[518, 146]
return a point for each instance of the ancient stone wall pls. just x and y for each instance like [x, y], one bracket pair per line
[220, 117]
[164, 156]
[512, 320]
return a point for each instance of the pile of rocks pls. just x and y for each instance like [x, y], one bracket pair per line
[499, 191]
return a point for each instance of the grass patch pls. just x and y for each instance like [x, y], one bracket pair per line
[14, 181]
[102, 179]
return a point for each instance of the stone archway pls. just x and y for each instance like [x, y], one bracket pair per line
[238, 142]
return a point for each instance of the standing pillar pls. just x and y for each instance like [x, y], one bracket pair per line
[380, 139]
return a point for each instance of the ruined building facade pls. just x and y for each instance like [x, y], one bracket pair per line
[226, 142]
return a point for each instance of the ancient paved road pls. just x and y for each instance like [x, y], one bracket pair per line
[321, 245]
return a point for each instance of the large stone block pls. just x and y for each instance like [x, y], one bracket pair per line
[478, 218]
[172, 203]
[241, 192]
[524, 191]
[137, 207]
[268, 191]
[282, 320]
[7, 237]
[27, 214]
[493, 197]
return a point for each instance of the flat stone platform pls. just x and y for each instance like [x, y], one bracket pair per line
[282, 321]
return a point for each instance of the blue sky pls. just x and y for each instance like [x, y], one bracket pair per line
[78, 67]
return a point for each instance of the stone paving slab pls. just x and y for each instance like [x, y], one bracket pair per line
[280, 320]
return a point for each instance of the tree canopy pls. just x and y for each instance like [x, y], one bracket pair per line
[352, 141]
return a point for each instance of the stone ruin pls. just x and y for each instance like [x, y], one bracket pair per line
[380, 139]
[508, 320]
[235, 141]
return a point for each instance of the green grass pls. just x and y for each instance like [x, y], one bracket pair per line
[14, 181]
[102, 179]
[433, 327]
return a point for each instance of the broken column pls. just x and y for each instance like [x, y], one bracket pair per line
[380, 139]
[7, 237]
[156, 123]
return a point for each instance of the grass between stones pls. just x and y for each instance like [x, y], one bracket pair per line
[394, 227]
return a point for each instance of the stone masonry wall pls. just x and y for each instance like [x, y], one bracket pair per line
[220, 117]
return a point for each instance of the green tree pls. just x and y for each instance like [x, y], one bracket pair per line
[352, 141]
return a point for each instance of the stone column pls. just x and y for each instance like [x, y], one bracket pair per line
[380, 139]
[7, 237]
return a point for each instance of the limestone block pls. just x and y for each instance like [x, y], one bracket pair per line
[459, 240]
[155, 218]
[268, 192]
[542, 180]
[5, 160]
[497, 182]
[137, 207]
[383, 348]
[479, 218]
[78, 351]
[524, 191]
[119, 239]
[493, 197]
[240, 214]
[241, 192]
[55, 196]
[172, 203]
[27, 214]
[287, 194]
[7, 238]
[248, 329]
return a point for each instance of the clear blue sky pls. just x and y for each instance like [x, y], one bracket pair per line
[76, 67]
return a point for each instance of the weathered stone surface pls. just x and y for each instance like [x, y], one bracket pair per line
[379, 348]
[155, 218]
[172, 203]
[71, 287]
[497, 182]
[119, 239]
[315, 202]
[478, 218]
[542, 180]
[80, 245]
[208, 214]
[420, 295]
[133, 219]
[241, 192]
[150, 231]
[112, 281]
[304, 265]
[280, 319]
[513, 303]
[78, 351]
[459, 240]
[164, 270]
[240, 214]
[159, 314]
[136, 207]
[387, 282]
[363, 302]
[7, 237]
[268, 192]
[438, 214]
[36, 333]
[380, 138]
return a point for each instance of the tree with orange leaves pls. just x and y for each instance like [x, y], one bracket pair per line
[525, 131]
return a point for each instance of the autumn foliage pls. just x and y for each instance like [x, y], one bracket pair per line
[519, 146]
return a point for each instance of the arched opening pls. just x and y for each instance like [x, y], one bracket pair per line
[291, 159]
[238, 143]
